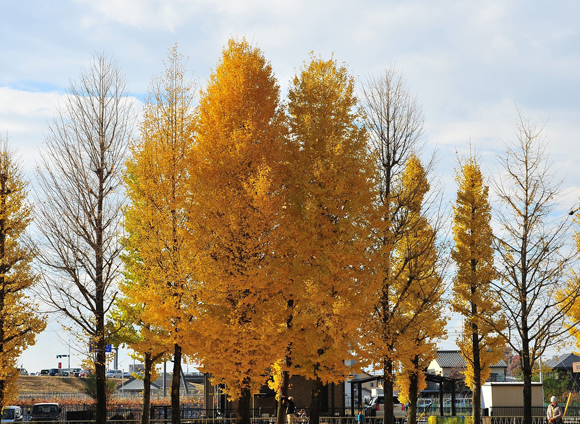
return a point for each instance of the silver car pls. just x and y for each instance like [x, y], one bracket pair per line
[12, 414]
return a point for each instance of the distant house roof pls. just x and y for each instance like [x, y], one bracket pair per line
[135, 385]
[453, 359]
[563, 362]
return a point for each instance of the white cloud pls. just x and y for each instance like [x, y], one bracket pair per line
[467, 62]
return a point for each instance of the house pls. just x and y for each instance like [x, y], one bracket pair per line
[450, 363]
[134, 387]
[563, 366]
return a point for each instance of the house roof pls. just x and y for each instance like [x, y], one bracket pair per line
[453, 359]
[563, 362]
[134, 384]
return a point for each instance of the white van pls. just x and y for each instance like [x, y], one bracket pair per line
[376, 407]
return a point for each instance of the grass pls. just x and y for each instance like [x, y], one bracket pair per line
[48, 384]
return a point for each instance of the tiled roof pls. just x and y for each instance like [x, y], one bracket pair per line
[453, 359]
[450, 359]
[563, 362]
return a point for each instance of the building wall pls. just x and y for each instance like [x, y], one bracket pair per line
[510, 394]
[333, 398]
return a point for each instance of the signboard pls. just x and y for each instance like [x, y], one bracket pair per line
[108, 348]
[576, 366]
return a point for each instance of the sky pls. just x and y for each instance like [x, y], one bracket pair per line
[470, 64]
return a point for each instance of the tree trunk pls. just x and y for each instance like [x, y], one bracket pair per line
[476, 396]
[175, 386]
[527, 371]
[388, 391]
[2, 388]
[316, 401]
[100, 378]
[281, 413]
[146, 389]
[281, 410]
[413, 389]
[244, 406]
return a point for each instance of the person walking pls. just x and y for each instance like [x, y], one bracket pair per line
[554, 412]
[361, 417]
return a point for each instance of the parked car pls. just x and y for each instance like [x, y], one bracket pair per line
[376, 407]
[85, 373]
[12, 414]
[45, 412]
[44, 372]
[115, 374]
[22, 371]
[76, 371]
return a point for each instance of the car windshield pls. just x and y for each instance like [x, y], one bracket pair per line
[44, 409]
[8, 414]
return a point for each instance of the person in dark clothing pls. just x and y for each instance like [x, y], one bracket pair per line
[290, 408]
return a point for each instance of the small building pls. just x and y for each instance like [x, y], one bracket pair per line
[506, 399]
[450, 363]
[264, 404]
[134, 387]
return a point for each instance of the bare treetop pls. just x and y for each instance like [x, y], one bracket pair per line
[80, 204]
[394, 121]
[533, 254]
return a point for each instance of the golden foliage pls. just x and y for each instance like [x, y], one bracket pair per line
[158, 282]
[474, 298]
[422, 323]
[19, 318]
[234, 216]
[327, 219]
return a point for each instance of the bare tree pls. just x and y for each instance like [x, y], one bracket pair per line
[80, 204]
[395, 124]
[531, 244]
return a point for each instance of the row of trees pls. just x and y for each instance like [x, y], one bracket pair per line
[267, 239]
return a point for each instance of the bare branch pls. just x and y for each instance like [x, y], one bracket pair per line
[80, 201]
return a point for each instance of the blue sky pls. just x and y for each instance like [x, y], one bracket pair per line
[468, 63]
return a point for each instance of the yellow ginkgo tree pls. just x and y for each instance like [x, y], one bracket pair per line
[159, 285]
[19, 320]
[328, 215]
[420, 321]
[473, 295]
[236, 186]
